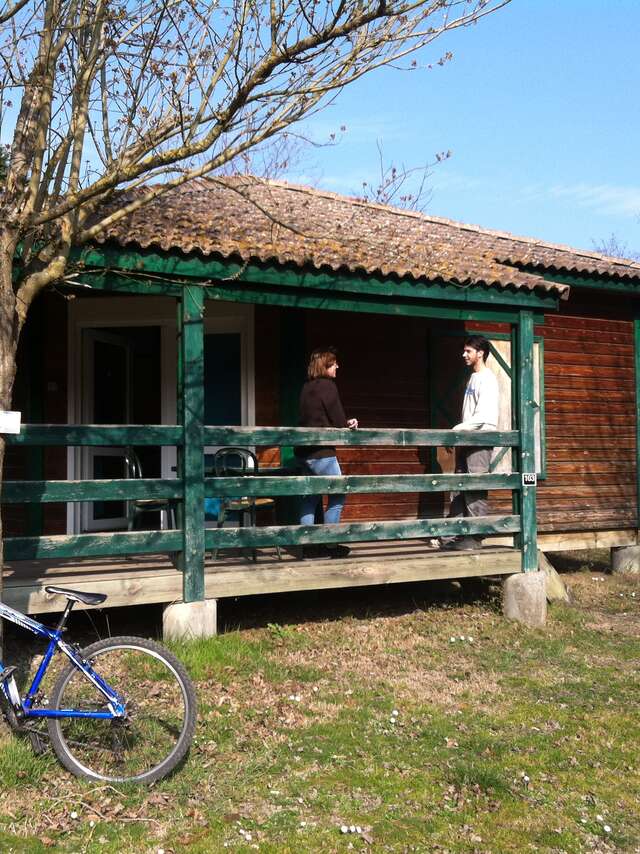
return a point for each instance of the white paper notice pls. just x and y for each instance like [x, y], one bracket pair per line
[9, 421]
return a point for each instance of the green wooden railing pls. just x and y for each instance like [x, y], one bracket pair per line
[140, 542]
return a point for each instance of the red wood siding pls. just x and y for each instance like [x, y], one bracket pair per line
[383, 383]
[590, 417]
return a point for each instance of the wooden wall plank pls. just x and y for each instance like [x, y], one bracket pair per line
[591, 417]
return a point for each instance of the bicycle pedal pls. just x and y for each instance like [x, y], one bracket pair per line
[7, 672]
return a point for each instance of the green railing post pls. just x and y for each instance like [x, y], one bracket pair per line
[179, 557]
[636, 337]
[191, 385]
[516, 503]
[526, 407]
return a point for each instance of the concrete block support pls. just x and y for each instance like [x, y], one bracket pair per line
[524, 598]
[190, 620]
[626, 560]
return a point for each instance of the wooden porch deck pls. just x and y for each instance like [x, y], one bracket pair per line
[146, 579]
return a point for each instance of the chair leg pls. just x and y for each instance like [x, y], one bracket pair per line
[252, 520]
[222, 515]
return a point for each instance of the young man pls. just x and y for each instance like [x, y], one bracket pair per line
[479, 412]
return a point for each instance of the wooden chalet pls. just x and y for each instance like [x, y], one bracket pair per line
[188, 327]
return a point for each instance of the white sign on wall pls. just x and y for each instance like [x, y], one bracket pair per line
[9, 421]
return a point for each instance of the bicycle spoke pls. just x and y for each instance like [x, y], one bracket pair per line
[160, 714]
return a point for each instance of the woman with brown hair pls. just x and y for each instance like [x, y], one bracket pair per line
[320, 406]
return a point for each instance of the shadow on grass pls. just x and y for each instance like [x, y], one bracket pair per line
[291, 608]
[582, 560]
[359, 603]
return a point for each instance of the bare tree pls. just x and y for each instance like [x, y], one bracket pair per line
[400, 185]
[100, 95]
[615, 248]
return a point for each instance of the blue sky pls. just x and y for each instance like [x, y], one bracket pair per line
[540, 110]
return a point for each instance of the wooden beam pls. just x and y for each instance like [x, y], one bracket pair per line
[24, 491]
[282, 535]
[636, 340]
[192, 362]
[612, 284]
[179, 513]
[265, 436]
[128, 489]
[115, 282]
[161, 434]
[358, 572]
[158, 582]
[96, 435]
[231, 292]
[175, 265]
[92, 545]
[322, 485]
[568, 540]
[526, 406]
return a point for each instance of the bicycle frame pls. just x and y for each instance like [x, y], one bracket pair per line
[23, 707]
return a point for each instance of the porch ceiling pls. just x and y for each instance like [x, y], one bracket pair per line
[256, 221]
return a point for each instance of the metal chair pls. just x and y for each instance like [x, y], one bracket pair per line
[138, 506]
[240, 462]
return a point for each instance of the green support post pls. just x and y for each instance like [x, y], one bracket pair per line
[179, 557]
[526, 407]
[636, 336]
[191, 386]
[516, 504]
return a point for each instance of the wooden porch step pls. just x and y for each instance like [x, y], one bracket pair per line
[151, 579]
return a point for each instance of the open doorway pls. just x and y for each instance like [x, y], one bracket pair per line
[121, 384]
[122, 370]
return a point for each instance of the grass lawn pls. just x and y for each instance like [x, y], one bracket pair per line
[416, 717]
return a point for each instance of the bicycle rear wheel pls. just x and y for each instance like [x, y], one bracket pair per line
[161, 713]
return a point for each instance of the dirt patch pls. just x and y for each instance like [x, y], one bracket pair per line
[608, 600]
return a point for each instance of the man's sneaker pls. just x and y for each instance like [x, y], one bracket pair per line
[463, 544]
[338, 551]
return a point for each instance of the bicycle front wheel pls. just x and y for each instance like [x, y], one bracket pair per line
[158, 728]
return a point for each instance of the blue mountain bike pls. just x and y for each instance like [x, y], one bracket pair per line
[122, 710]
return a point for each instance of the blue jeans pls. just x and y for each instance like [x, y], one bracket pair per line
[321, 466]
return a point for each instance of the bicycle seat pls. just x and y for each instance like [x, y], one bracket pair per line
[78, 595]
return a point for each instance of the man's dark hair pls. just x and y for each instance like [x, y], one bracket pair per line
[479, 342]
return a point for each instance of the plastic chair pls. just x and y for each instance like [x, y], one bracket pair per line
[138, 506]
[240, 462]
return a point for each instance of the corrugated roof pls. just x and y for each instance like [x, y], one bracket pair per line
[268, 221]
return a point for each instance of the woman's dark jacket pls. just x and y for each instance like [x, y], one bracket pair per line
[320, 406]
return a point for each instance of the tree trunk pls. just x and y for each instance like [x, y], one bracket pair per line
[9, 334]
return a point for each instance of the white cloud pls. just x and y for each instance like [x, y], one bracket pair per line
[604, 199]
